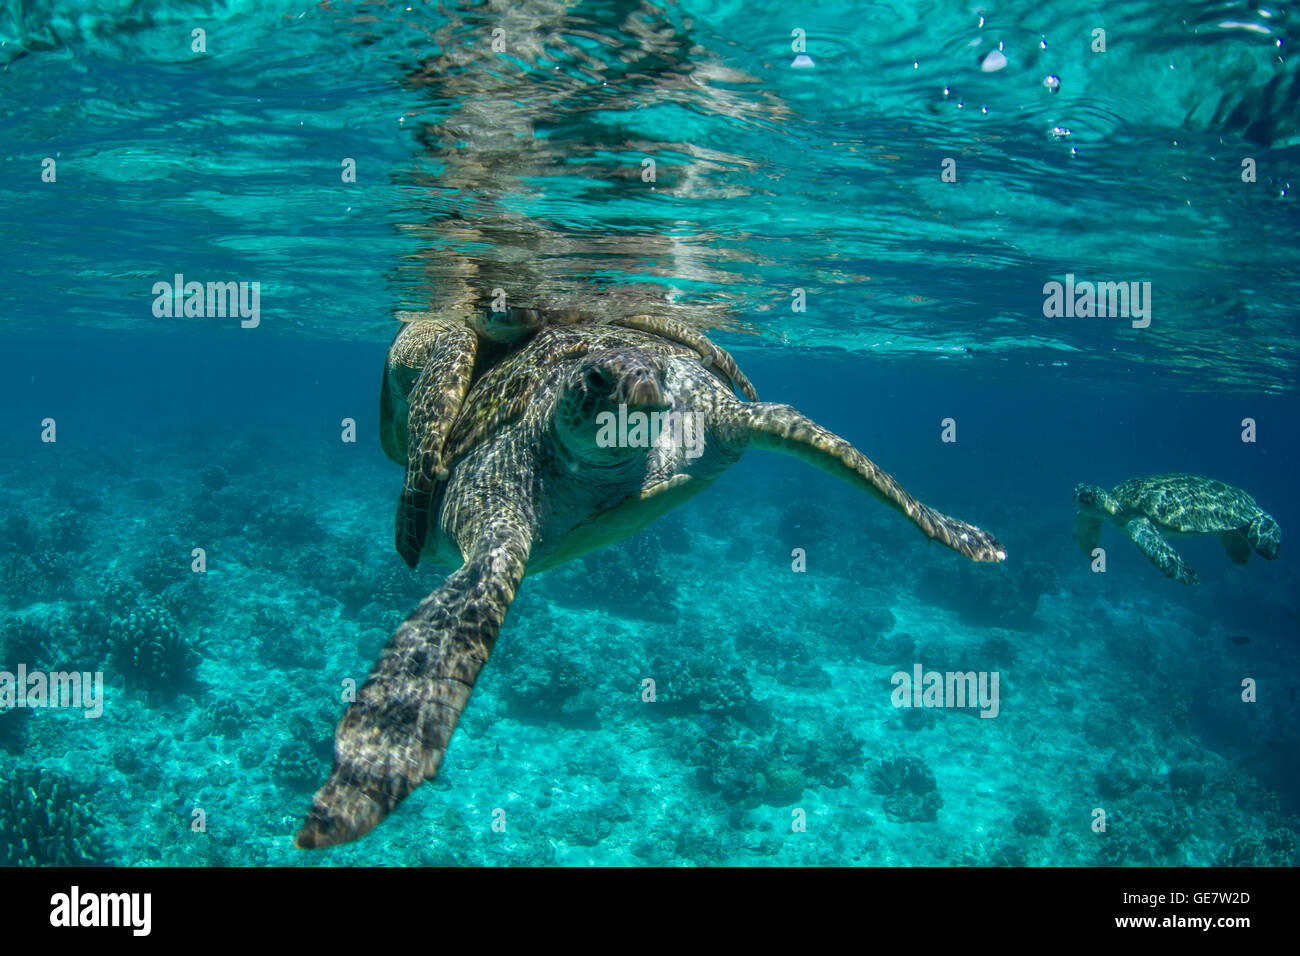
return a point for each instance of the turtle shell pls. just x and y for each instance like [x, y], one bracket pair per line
[1188, 503]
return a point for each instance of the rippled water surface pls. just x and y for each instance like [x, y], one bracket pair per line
[526, 169]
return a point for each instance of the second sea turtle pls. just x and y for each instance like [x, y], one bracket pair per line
[1149, 509]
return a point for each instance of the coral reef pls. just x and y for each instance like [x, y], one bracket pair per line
[909, 788]
[746, 770]
[41, 575]
[1123, 844]
[17, 533]
[1032, 820]
[826, 757]
[1277, 848]
[628, 578]
[213, 478]
[164, 564]
[295, 767]
[543, 683]
[728, 760]
[22, 641]
[785, 783]
[46, 820]
[118, 592]
[226, 717]
[989, 595]
[13, 728]
[584, 829]
[690, 682]
[284, 643]
[148, 648]
[1187, 779]
[283, 523]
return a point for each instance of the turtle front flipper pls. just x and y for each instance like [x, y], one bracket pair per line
[1087, 532]
[1235, 543]
[419, 338]
[432, 406]
[396, 733]
[1159, 551]
[781, 428]
[721, 359]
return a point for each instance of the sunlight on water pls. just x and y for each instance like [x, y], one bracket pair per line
[530, 170]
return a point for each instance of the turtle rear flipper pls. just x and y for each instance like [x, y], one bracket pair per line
[1087, 531]
[396, 733]
[1159, 551]
[432, 406]
[782, 428]
[1235, 543]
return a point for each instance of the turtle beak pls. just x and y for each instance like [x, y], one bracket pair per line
[642, 388]
[630, 380]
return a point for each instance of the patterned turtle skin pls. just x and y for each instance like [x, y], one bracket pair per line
[430, 367]
[1148, 509]
[533, 481]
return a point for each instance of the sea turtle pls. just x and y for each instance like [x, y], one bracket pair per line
[1146, 509]
[537, 475]
[433, 361]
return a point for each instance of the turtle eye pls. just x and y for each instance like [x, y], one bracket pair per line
[598, 379]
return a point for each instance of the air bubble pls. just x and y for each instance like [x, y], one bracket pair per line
[993, 61]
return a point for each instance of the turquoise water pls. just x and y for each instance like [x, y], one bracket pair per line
[526, 170]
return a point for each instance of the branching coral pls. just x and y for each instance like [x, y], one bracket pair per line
[911, 794]
[295, 767]
[701, 683]
[45, 820]
[226, 717]
[148, 648]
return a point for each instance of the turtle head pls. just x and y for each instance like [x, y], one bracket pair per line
[506, 326]
[603, 399]
[1095, 501]
[1265, 536]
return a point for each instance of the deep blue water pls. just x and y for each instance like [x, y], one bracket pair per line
[1121, 691]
